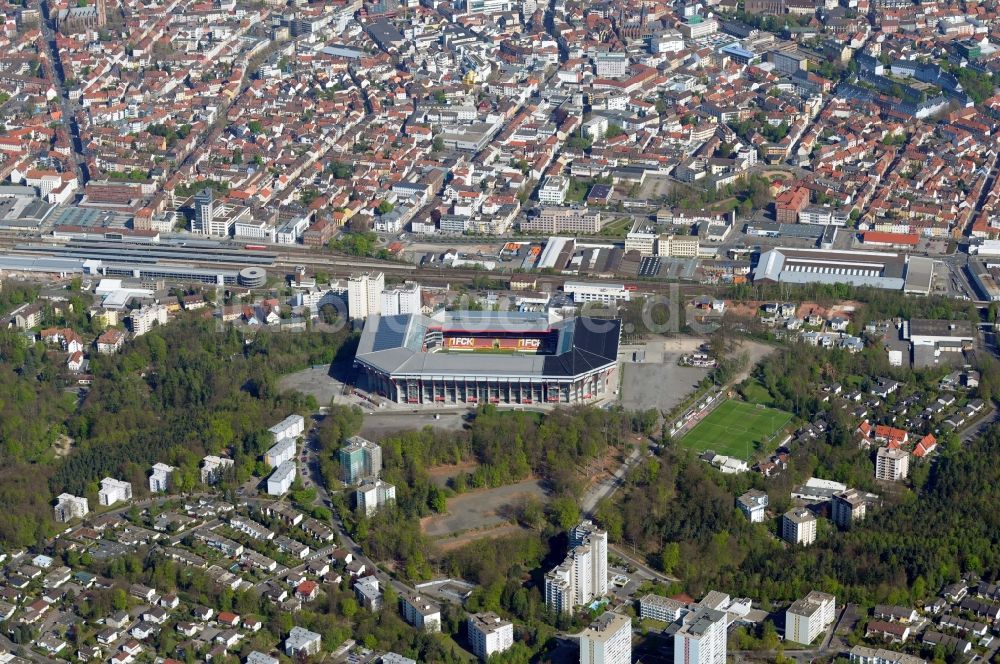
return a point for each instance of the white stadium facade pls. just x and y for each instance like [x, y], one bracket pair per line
[464, 357]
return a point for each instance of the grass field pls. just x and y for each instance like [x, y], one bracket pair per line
[756, 393]
[736, 428]
[617, 228]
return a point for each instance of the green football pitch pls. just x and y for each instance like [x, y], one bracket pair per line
[733, 428]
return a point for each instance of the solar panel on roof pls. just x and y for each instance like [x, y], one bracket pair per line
[391, 333]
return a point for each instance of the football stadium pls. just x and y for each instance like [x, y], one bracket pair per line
[466, 357]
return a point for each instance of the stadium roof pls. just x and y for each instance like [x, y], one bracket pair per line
[527, 322]
[394, 345]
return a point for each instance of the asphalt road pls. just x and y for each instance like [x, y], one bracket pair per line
[12, 647]
[980, 428]
[309, 470]
[609, 485]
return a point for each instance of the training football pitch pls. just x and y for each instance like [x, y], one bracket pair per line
[733, 428]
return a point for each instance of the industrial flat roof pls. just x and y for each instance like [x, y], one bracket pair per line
[878, 269]
[702, 620]
[149, 252]
[31, 264]
[925, 327]
[172, 269]
[919, 275]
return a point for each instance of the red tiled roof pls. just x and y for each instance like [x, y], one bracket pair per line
[890, 433]
[879, 237]
[925, 446]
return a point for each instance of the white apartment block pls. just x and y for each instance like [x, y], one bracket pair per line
[69, 507]
[753, 504]
[212, 217]
[581, 558]
[589, 535]
[142, 320]
[678, 246]
[281, 479]
[396, 658]
[593, 292]
[553, 220]
[489, 634]
[809, 617]
[290, 231]
[560, 589]
[608, 640]
[249, 228]
[421, 612]
[302, 642]
[892, 465]
[280, 452]
[798, 526]
[596, 127]
[583, 575]
[490, 6]
[660, 608]
[159, 480]
[611, 65]
[319, 297]
[257, 657]
[364, 294]
[373, 495]
[695, 29]
[701, 638]
[644, 243]
[113, 491]
[667, 42]
[291, 427]
[824, 215]
[368, 593]
[401, 300]
[212, 468]
[553, 190]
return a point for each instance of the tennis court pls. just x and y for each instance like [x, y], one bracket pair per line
[734, 427]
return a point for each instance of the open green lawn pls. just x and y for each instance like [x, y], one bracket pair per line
[756, 393]
[734, 427]
[618, 227]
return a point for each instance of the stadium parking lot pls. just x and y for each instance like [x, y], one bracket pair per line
[657, 381]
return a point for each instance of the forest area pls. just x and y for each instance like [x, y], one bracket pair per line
[173, 395]
[191, 388]
[502, 447]
[681, 512]
[505, 446]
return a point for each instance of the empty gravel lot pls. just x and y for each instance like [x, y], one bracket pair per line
[480, 509]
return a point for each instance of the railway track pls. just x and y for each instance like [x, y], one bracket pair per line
[287, 259]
